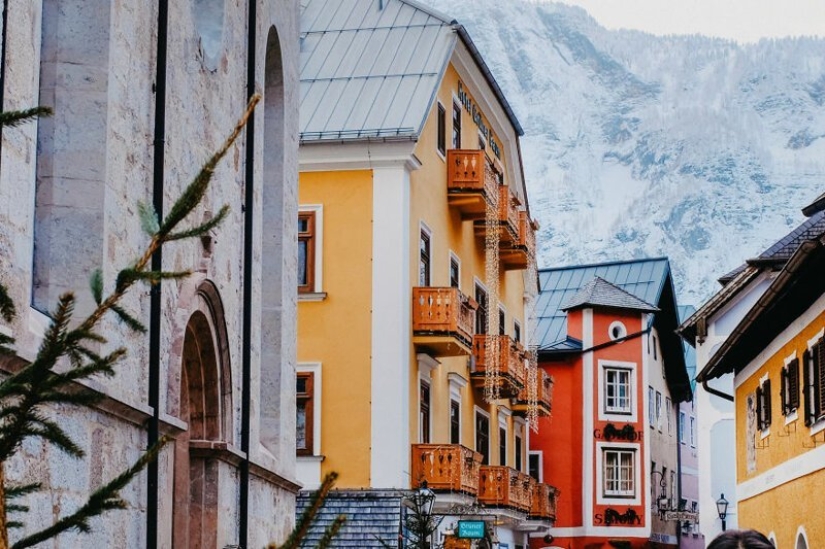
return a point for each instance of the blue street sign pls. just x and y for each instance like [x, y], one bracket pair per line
[471, 529]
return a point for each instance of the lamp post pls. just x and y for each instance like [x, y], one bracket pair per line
[722, 509]
[661, 499]
[421, 522]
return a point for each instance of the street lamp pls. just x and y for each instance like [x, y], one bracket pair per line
[722, 509]
[424, 499]
[661, 501]
[420, 523]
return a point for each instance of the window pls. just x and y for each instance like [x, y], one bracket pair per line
[442, 130]
[483, 437]
[658, 410]
[456, 125]
[519, 443]
[655, 349]
[481, 312]
[790, 387]
[534, 465]
[692, 432]
[482, 143]
[305, 402]
[502, 446]
[651, 412]
[424, 259]
[763, 405]
[814, 381]
[502, 324]
[618, 475]
[455, 272]
[617, 390]
[455, 422]
[616, 330]
[424, 413]
[682, 427]
[306, 252]
[668, 413]
[516, 331]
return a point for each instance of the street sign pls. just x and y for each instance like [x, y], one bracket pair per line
[682, 516]
[471, 529]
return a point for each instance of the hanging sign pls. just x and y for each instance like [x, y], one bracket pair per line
[471, 529]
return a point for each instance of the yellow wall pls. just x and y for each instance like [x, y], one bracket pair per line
[450, 234]
[784, 508]
[336, 331]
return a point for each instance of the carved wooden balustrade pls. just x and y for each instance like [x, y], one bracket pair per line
[501, 486]
[518, 254]
[472, 182]
[543, 502]
[511, 365]
[443, 320]
[508, 213]
[446, 467]
[544, 389]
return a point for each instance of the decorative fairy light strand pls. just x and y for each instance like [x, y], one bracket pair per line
[491, 257]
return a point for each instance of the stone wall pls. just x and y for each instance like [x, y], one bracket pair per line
[69, 187]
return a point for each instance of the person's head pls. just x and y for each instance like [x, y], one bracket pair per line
[740, 539]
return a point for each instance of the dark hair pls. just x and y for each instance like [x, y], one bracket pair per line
[741, 539]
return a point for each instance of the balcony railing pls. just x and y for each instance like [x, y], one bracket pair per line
[544, 396]
[519, 253]
[508, 213]
[471, 182]
[443, 319]
[543, 503]
[511, 368]
[447, 467]
[501, 486]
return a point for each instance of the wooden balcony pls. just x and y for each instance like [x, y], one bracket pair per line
[446, 467]
[507, 221]
[501, 486]
[518, 254]
[511, 368]
[443, 321]
[543, 502]
[471, 182]
[544, 397]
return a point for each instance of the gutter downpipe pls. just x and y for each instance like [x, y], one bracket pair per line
[716, 392]
[249, 208]
[153, 433]
[3, 70]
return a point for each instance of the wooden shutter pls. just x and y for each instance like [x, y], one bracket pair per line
[820, 378]
[766, 388]
[783, 391]
[807, 388]
[759, 409]
[793, 385]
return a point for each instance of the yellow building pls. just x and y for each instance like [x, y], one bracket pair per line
[776, 352]
[415, 242]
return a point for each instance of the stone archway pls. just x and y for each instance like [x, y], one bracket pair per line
[204, 405]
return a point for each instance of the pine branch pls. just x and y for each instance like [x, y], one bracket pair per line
[316, 501]
[200, 229]
[96, 285]
[6, 305]
[104, 499]
[133, 323]
[331, 532]
[12, 119]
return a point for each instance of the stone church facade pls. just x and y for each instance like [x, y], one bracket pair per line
[143, 93]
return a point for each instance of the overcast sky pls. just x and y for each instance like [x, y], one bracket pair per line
[742, 20]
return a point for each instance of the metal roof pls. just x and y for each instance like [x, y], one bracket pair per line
[685, 312]
[643, 279]
[602, 293]
[370, 68]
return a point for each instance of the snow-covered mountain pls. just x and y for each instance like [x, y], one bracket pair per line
[694, 148]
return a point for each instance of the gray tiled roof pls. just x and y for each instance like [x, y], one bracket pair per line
[370, 68]
[602, 293]
[372, 515]
[643, 279]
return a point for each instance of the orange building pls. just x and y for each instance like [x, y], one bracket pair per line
[606, 337]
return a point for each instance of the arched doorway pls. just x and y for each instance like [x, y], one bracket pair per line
[204, 405]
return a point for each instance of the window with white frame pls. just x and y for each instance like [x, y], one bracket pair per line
[651, 411]
[618, 390]
[424, 257]
[659, 410]
[682, 427]
[618, 472]
[308, 409]
[668, 414]
[692, 432]
[310, 248]
[763, 404]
